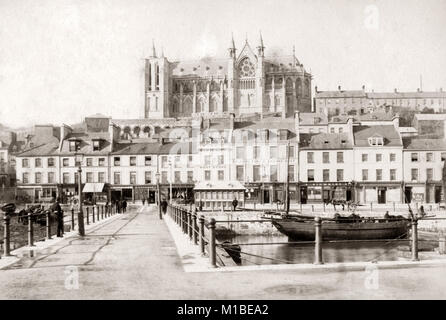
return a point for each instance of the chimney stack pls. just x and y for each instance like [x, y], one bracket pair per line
[339, 88]
[315, 89]
[395, 90]
[418, 89]
[363, 87]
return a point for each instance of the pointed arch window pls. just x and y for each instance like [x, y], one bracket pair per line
[157, 77]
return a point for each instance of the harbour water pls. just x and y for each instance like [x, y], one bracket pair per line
[304, 253]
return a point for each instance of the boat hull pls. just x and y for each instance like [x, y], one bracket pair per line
[305, 230]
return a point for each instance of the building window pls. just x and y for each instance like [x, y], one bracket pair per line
[66, 178]
[443, 156]
[148, 177]
[340, 175]
[291, 173]
[310, 175]
[101, 177]
[273, 152]
[177, 177]
[365, 157]
[365, 174]
[414, 174]
[283, 134]
[429, 174]
[117, 161]
[221, 159]
[38, 177]
[379, 157]
[164, 161]
[147, 161]
[392, 174]
[38, 162]
[379, 174]
[50, 177]
[414, 157]
[340, 157]
[429, 157]
[221, 175]
[164, 177]
[256, 152]
[132, 161]
[25, 177]
[207, 160]
[89, 162]
[256, 173]
[325, 157]
[392, 157]
[207, 175]
[341, 130]
[273, 173]
[101, 162]
[240, 174]
[291, 150]
[240, 153]
[326, 175]
[376, 141]
[310, 157]
[25, 163]
[65, 162]
[74, 146]
[332, 130]
[177, 161]
[96, 145]
[50, 162]
[89, 176]
[190, 176]
[117, 178]
[132, 177]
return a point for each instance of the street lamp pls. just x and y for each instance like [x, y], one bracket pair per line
[80, 216]
[171, 177]
[157, 175]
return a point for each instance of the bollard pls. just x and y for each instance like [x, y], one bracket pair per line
[102, 212]
[414, 240]
[48, 225]
[442, 244]
[212, 249]
[184, 220]
[318, 241]
[189, 224]
[323, 203]
[7, 243]
[88, 215]
[30, 231]
[72, 219]
[201, 235]
[92, 213]
[194, 225]
[97, 213]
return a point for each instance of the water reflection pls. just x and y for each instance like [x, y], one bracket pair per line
[304, 253]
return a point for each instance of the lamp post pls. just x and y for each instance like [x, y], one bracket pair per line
[157, 175]
[80, 215]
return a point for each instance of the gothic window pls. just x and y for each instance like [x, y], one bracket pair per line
[278, 83]
[136, 131]
[246, 68]
[149, 75]
[157, 77]
[307, 88]
[277, 100]
[269, 83]
[299, 88]
[187, 105]
[268, 100]
[175, 106]
[200, 105]
[289, 85]
[213, 105]
[147, 131]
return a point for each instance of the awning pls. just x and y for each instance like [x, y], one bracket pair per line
[93, 187]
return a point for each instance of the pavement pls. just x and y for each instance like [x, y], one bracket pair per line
[134, 256]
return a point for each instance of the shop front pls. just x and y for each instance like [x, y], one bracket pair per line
[428, 192]
[325, 192]
[219, 195]
[373, 192]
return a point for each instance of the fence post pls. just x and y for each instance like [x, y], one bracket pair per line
[189, 224]
[102, 212]
[72, 219]
[194, 226]
[7, 243]
[48, 225]
[414, 240]
[30, 231]
[97, 212]
[212, 249]
[93, 212]
[201, 235]
[88, 215]
[317, 241]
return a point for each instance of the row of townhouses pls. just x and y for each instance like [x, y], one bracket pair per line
[368, 159]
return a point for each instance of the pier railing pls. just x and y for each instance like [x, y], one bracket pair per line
[202, 233]
[26, 229]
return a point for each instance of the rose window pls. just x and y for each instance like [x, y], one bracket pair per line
[246, 68]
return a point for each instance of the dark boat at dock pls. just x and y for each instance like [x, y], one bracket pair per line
[303, 228]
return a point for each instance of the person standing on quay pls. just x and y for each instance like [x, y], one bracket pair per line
[57, 209]
[124, 206]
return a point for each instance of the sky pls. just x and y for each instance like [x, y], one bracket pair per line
[63, 60]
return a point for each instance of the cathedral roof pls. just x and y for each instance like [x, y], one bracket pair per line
[205, 67]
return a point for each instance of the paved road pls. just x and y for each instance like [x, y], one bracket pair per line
[134, 257]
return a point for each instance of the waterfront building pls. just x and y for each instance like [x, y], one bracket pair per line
[9, 147]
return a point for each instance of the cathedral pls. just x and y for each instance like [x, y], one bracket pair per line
[247, 82]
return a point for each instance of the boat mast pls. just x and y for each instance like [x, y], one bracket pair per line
[287, 187]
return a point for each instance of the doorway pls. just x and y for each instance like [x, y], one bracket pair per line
[266, 196]
[408, 194]
[437, 194]
[382, 195]
[303, 195]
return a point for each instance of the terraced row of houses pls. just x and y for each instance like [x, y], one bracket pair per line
[364, 159]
